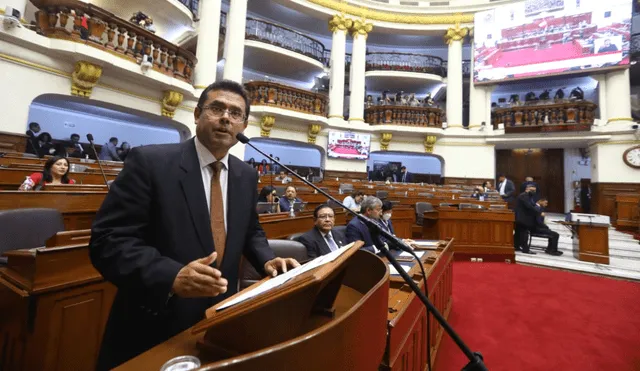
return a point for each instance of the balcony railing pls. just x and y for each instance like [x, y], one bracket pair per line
[543, 117]
[407, 62]
[107, 32]
[466, 67]
[404, 115]
[265, 93]
[192, 5]
[283, 37]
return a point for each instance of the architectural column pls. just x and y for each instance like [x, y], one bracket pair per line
[208, 39]
[359, 31]
[602, 97]
[477, 100]
[234, 43]
[19, 5]
[339, 25]
[453, 38]
[618, 88]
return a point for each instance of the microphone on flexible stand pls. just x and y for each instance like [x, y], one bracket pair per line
[93, 147]
[475, 359]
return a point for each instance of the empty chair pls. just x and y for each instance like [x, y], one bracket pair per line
[497, 207]
[303, 189]
[27, 228]
[346, 187]
[395, 202]
[400, 193]
[470, 206]
[340, 229]
[282, 249]
[382, 194]
[294, 236]
[421, 208]
[425, 194]
[334, 205]
[280, 189]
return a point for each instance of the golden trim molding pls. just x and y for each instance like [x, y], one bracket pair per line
[84, 77]
[199, 87]
[336, 116]
[456, 33]
[429, 142]
[385, 140]
[266, 124]
[312, 134]
[393, 17]
[340, 23]
[37, 66]
[170, 101]
[616, 142]
[614, 119]
[356, 119]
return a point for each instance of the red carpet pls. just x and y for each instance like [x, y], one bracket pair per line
[520, 57]
[525, 318]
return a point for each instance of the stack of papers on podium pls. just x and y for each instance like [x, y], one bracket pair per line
[407, 255]
[394, 272]
[427, 244]
[282, 278]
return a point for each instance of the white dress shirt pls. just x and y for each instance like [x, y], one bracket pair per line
[350, 203]
[502, 185]
[206, 158]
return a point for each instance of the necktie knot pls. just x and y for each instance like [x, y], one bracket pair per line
[216, 167]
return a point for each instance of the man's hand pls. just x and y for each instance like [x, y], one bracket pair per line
[409, 242]
[279, 264]
[198, 279]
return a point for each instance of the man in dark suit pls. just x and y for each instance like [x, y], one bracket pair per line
[527, 182]
[506, 189]
[173, 227]
[286, 202]
[607, 46]
[322, 238]
[74, 148]
[109, 150]
[543, 230]
[526, 216]
[405, 176]
[370, 207]
[33, 145]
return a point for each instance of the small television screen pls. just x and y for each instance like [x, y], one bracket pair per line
[548, 37]
[348, 145]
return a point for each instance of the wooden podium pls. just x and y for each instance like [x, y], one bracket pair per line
[592, 242]
[54, 306]
[330, 318]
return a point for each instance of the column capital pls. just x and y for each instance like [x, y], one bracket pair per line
[266, 124]
[340, 23]
[84, 77]
[455, 33]
[385, 140]
[429, 142]
[170, 101]
[312, 133]
[361, 27]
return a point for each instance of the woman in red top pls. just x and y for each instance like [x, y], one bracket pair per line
[56, 171]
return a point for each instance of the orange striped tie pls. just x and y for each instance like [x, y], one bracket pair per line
[217, 213]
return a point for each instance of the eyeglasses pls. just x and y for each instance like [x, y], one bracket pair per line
[326, 216]
[217, 111]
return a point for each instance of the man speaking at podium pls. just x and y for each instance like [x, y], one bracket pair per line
[173, 227]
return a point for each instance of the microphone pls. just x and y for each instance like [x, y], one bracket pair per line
[476, 362]
[93, 147]
[372, 225]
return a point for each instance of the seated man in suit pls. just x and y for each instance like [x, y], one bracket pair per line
[542, 229]
[74, 148]
[282, 177]
[387, 225]
[322, 238]
[370, 207]
[286, 202]
[526, 214]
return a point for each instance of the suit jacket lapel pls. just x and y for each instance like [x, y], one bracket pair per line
[193, 191]
[322, 243]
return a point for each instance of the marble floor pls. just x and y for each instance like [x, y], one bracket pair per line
[624, 252]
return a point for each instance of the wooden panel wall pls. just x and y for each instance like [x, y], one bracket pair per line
[603, 196]
[546, 166]
[12, 142]
[332, 174]
[468, 181]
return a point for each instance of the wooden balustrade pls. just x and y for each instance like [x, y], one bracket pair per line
[55, 19]
[264, 93]
[553, 116]
[404, 115]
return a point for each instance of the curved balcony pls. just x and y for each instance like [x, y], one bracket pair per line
[265, 93]
[192, 5]
[112, 34]
[283, 37]
[546, 117]
[406, 62]
[404, 115]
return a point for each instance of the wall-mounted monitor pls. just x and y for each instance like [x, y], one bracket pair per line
[550, 37]
[348, 145]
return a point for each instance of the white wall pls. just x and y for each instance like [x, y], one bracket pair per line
[575, 169]
[467, 161]
[607, 165]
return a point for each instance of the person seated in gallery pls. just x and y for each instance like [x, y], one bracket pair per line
[479, 193]
[354, 200]
[428, 101]
[559, 95]
[608, 47]
[576, 94]
[45, 145]
[286, 202]
[487, 187]
[269, 194]
[56, 171]
[322, 238]
[368, 102]
[541, 229]
[413, 102]
[109, 150]
[544, 95]
[123, 150]
[283, 178]
[33, 146]
[264, 167]
[74, 148]
[371, 207]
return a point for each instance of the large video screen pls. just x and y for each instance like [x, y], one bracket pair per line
[547, 37]
[348, 145]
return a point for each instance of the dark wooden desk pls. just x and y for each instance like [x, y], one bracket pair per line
[407, 320]
[12, 178]
[592, 242]
[54, 307]
[628, 212]
[280, 226]
[486, 234]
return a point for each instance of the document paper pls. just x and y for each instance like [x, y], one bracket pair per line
[282, 278]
